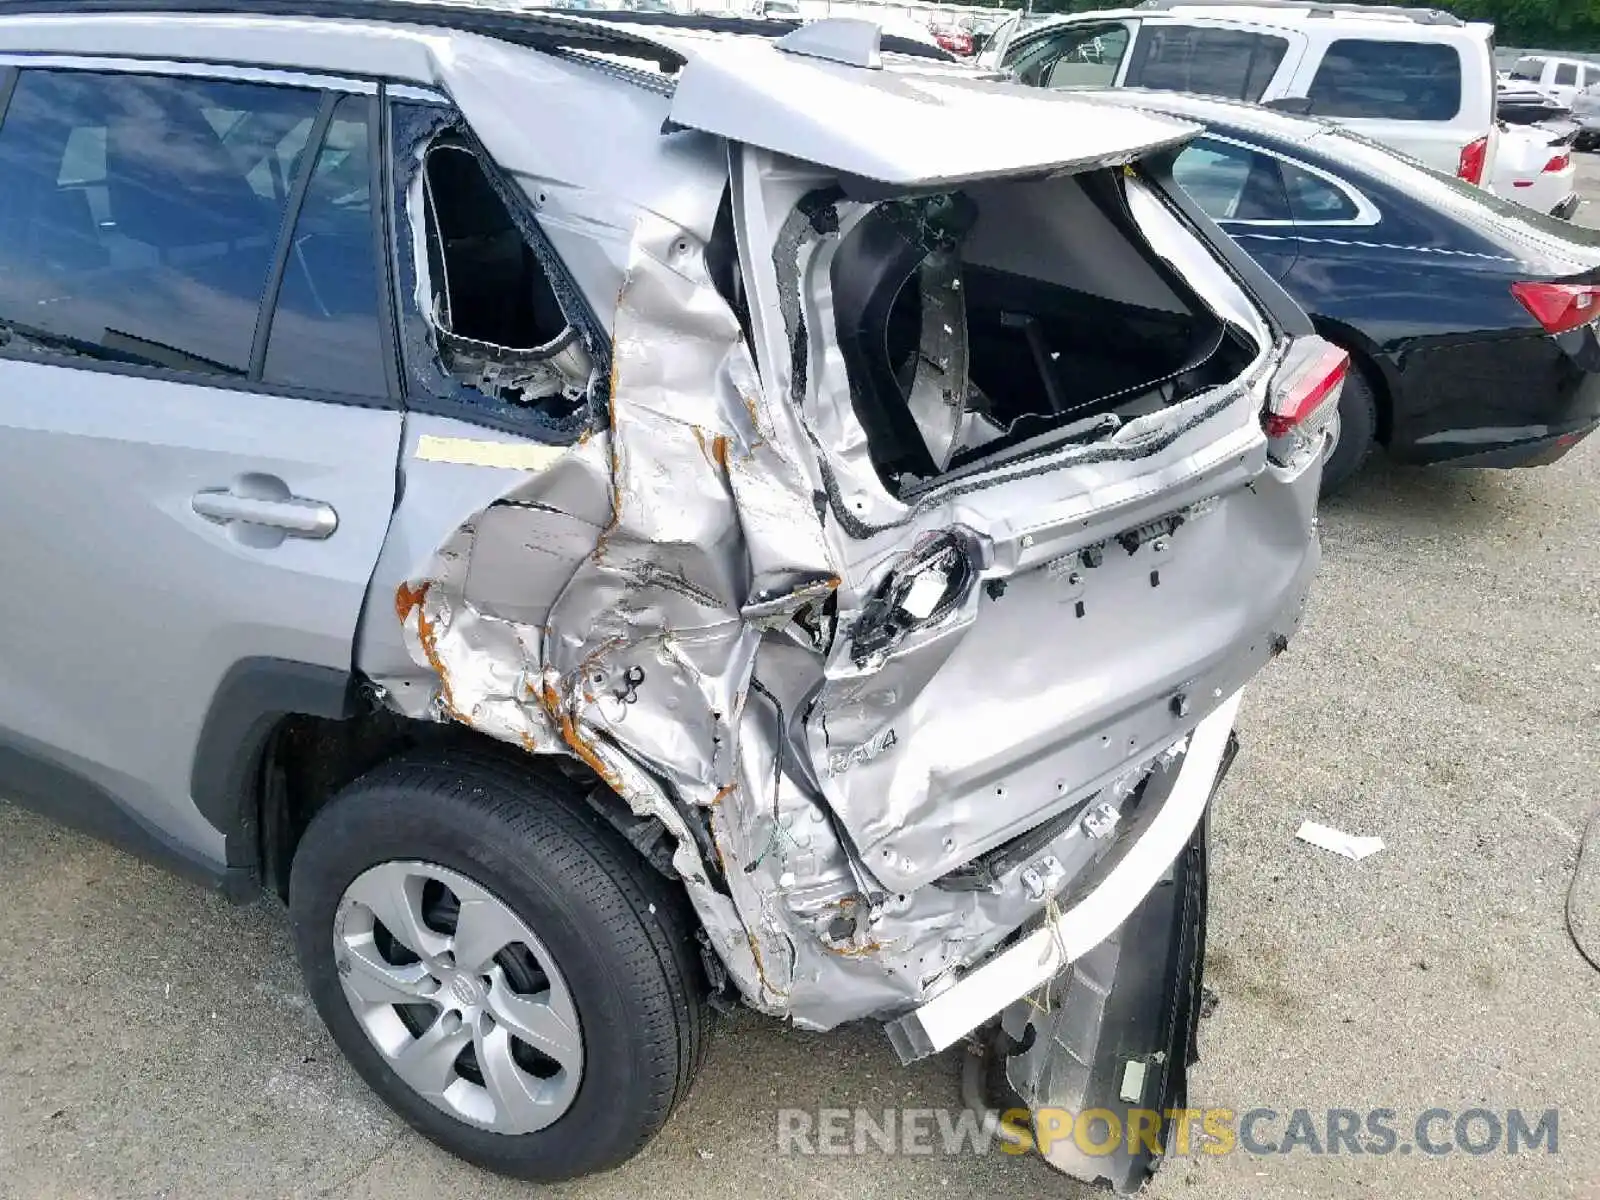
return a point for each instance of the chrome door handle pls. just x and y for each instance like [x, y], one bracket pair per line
[291, 514]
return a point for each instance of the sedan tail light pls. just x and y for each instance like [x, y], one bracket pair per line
[1473, 158]
[1312, 376]
[1559, 163]
[1559, 306]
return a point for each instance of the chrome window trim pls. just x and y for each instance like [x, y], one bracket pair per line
[200, 70]
[414, 94]
[1367, 213]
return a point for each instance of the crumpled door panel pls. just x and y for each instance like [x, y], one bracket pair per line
[1032, 696]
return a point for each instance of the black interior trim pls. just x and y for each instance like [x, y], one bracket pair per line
[252, 698]
[378, 142]
[8, 84]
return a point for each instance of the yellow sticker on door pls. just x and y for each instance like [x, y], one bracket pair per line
[478, 452]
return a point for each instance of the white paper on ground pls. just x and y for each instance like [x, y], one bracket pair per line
[1328, 838]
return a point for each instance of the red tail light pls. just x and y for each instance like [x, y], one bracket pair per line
[1559, 306]
[1559, 163]
[1312, 374]
[1473, 158]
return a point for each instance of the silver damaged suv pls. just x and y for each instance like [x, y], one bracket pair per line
[606, 518]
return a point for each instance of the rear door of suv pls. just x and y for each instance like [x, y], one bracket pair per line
[198, 428]
[1230, 59]
[1406, 87]
[1217, 58]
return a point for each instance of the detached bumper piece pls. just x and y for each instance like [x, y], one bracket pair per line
[1568, 208]
[1037, 959]
[1119, 1036]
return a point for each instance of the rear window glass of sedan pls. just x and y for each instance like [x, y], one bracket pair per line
[1404, 81]
[1314, 200]
[1206, 62]
[1231, 183]
[1463, 201]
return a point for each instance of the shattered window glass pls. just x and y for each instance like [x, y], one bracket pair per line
[500, 327]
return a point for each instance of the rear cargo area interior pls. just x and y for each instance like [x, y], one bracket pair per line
[1066, 315]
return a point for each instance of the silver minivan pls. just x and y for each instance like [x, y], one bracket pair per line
[608, 519]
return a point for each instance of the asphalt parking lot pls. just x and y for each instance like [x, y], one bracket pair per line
[1445, 695]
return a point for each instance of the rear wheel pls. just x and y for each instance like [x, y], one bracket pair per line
[1354, 433]
[497, 964]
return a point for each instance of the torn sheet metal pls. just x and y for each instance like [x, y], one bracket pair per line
[886, 733]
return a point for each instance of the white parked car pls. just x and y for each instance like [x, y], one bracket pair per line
[1418, 80]
[1559, 78]
[1534, 167]
[1586, 113]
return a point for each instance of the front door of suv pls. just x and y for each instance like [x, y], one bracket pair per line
[1077, 54]
[197, 434]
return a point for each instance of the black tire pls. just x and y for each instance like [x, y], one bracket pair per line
[1358, 431]
[619, 932]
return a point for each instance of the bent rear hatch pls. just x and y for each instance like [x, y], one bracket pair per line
[947, 127]
[1034, 391]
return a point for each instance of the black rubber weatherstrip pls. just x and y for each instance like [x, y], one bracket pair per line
[8, 84]
[380, 143]
[291, 216]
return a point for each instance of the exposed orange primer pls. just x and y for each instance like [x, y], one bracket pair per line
[761, 967]
[723, 793]
[407, 600]
[753, 409]
[719, 451]
[575, 741]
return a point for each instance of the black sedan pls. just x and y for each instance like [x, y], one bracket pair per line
[1470, 320]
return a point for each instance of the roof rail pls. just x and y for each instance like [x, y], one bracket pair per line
[509, 20]
[539, 29]
[1317, 8]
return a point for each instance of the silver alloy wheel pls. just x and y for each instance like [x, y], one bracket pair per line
[442, 1008]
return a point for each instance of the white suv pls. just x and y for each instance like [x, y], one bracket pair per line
[1419, 80]
[1559, 78]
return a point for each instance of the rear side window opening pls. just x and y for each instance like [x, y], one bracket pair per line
[974, 322]
[499, 324]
